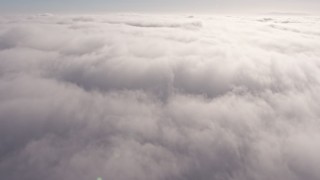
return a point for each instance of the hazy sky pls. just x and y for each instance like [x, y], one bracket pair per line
[210, 6]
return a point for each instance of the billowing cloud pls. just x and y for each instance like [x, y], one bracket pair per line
[159, 97]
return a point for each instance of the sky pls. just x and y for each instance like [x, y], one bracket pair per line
[204, 6]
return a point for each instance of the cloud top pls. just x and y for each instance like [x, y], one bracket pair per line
[159, 97]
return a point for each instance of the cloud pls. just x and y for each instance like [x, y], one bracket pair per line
[159, 97]
[188, 25]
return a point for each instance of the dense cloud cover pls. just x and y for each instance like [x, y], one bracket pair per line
[140, 97]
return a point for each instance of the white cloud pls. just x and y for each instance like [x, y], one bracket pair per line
[159, 97]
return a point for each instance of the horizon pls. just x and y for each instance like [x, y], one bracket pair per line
[144, 6]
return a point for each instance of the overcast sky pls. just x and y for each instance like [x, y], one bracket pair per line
[205, 6]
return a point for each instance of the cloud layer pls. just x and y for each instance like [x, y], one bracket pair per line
[159, 97]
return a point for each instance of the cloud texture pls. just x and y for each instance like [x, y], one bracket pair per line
[159, 97]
